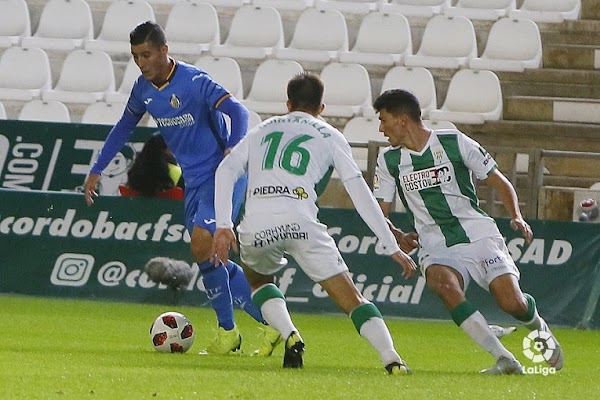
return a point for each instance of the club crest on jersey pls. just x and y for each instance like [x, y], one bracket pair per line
[426, 178]
[298, 193]
[175, 102]
[438, 155]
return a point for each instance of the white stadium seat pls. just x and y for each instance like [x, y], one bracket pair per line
[417, 80]
[84, 78]
[347, 89]
[192, 28]
[512, 45]
[49, 111]
[64, 25]
[448, 42]
[121, 95]
[254, 33]
[548, 11]
[415, 8]
[348, 6]
[489, 10]
[473, 97]
[103, 113]
[24, 73]
[362, 130]
[2, 111]
[382, 39]
[438, 124]
[225, 71]
[317, 45]
[268, 94]
[290, 5]
[15, 22]
[120, 19]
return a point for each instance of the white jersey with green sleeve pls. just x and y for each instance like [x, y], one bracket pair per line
[437, 188]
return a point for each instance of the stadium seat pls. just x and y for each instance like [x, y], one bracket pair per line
[417, 80]
[382, 39]
[2, 111]
[438, 124]
[512, 45]
[253, 119]
[14, 22]
[362, 130]
[121, 95]
[288, 5]
[120, 18]
[254, 33]
[84, 78]
[192, 28]
[102, 113]
[448, 42]
[347, 89]
[348, 6]
[49, 111]
[228, 3]
[268, 94]
[225, 71]
[548, 11]
[24, 73]
[473, 97]
[64, 25]
[489, 10]
[415, 8]
[317, 45]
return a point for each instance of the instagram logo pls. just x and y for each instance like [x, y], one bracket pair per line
[72, 269]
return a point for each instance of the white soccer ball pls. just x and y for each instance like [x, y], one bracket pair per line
[172, 332]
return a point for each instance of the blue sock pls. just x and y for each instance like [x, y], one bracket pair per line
[216, 283]
[241, 293]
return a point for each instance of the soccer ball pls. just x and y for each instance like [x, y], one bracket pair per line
[172, 332]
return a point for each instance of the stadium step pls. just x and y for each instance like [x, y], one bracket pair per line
[558, 109]
[572, 56]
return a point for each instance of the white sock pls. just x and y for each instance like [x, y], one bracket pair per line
[477, 328]
[378, 335]
[537, 323]
[275, 312]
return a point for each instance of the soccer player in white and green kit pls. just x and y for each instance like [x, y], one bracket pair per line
[285, 158]
[432, 172]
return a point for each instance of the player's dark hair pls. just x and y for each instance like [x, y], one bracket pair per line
[149, 173]
[305, 92]
[399, 101]
[148, 32]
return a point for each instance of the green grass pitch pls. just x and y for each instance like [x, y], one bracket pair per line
[75, 349]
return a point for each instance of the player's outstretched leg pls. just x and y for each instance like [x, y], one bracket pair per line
[533, 321]
[271, 302]
[370, 324]
[474, 324]
[216, 283]
[242, 296]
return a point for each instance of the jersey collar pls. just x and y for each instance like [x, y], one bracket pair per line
[169, 76]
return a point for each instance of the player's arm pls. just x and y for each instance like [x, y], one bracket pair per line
[508, 196]
[116, 139]
[239, 118]
[229, 171]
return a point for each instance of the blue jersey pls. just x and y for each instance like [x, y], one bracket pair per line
[185, 111]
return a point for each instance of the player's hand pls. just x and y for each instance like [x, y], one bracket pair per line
[407, 241]
[408, 265]
[223, 239]
[89, 188]
[520, 224]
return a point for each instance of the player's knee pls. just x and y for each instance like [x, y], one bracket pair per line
[200, 248]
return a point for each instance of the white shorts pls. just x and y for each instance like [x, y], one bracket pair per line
[483, 260]
[265, 238]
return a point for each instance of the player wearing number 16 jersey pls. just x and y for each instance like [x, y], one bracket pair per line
[285, 157]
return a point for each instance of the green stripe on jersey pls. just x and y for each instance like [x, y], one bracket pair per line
[438, 206]
[462, 173]
[392, 161]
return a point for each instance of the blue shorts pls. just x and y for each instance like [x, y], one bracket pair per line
[199, 204]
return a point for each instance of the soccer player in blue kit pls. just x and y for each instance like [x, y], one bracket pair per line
[188, 108]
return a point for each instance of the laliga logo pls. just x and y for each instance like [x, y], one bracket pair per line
[538, 346]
